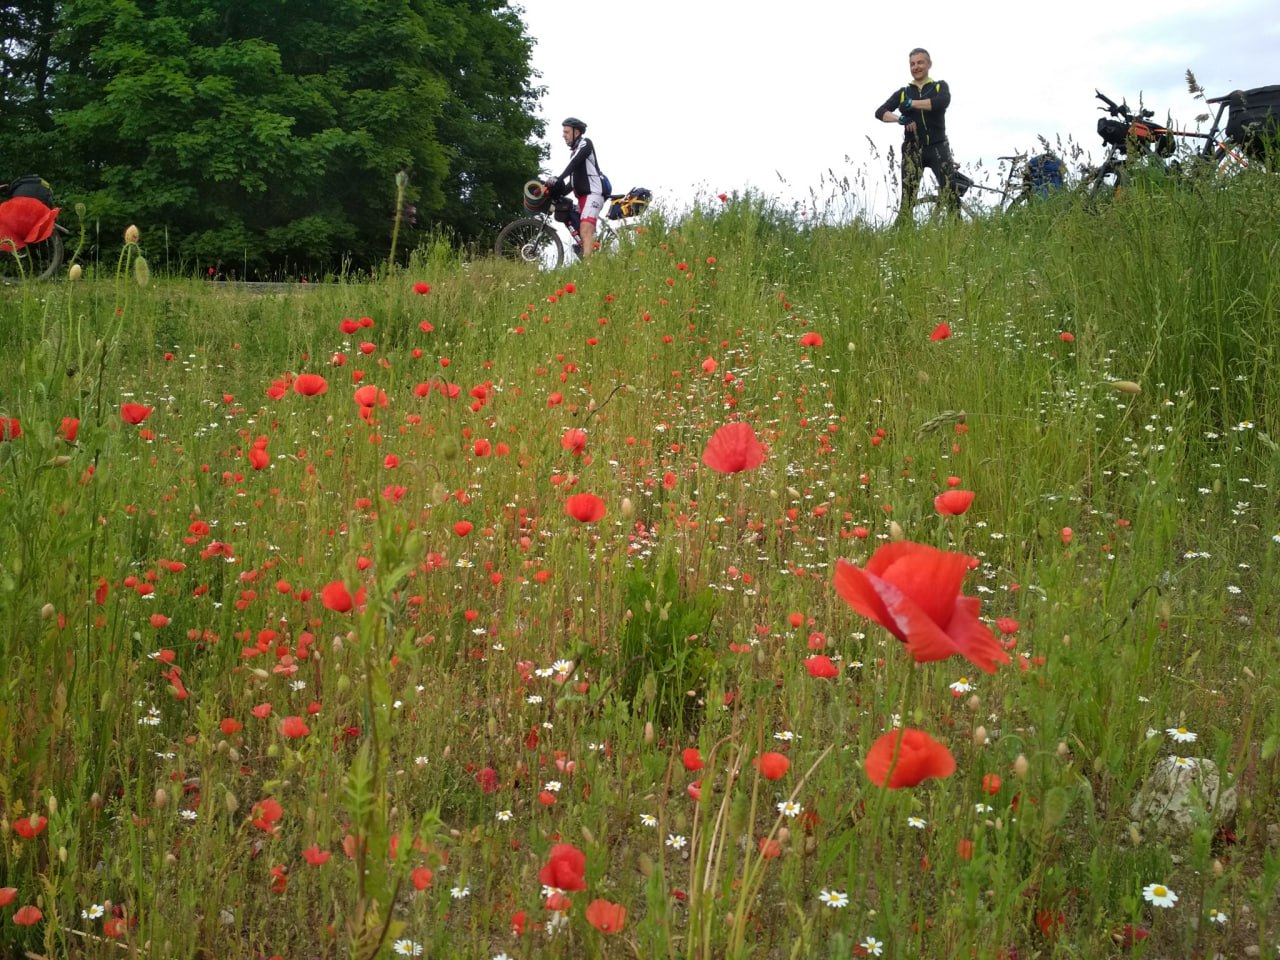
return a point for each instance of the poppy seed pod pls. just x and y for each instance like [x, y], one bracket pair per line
[131, 234]
[76, 272]
[1125, 386]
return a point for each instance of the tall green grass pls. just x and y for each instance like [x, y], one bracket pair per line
[678, 610]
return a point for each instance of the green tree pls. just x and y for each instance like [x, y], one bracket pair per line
[269, 132]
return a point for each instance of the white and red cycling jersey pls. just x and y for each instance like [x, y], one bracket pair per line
[585, 179]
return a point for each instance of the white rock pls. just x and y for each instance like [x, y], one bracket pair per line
[1176, 792]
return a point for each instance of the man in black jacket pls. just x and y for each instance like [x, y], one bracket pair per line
[921, 108]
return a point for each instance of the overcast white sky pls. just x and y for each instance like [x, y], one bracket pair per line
[693, 98]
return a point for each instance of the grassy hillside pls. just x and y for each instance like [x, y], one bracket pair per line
[340, 672]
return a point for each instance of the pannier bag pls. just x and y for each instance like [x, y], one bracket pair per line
[633, 203]
[565, 209]
[1254, 117]
[1117, 133]
[962, 182]
[1044, 174]
[29, 186]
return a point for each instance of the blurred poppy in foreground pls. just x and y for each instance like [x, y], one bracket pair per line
[585, 507]
[913, 591]
[919, 758]
[733, 448]
[24, 220]
[565, 868]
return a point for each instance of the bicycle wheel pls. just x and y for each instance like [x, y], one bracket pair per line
[530, 241]
[35, 261]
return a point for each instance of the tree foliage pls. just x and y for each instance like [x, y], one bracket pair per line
[269, 132]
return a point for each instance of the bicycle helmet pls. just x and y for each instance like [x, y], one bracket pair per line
[575, 123]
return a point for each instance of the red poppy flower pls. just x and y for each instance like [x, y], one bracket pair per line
[463, 527]
[709, 365]
[1066, 336]
[266, 813]
[6, 895]
[953, 502]
[134, 413]
[606, 917]
[991, 783]
[230, 726]
[310, 384]
[585, 507]
[10, 429]
[28, 827]
[772, 766]
[294, 727]
[913, 591]
[565, 868]
[574, 440]
[811, 340]
[941, 331]
[25, 220]
[421, 287]
[421, 877]
[733, 448]
[488, 779]
[821, 667]
[920, 757]
[315, 856]
[335, 597]
[692, 759]
[27, 916]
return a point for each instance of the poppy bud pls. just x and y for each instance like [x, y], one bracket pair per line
[648, 732]
[95, 801]
[47, 611]
[895, 530]
[644, 864]
[233, 755]
[979, 735]
[1125, 386]
[131, 234]
[161, 800]
[141, 271]
[273, 751]
[587, 835]
[974, 702]
[61, 460]
[1218, 869]
[62, 854]
[627, 508]
[75, 272]
[1020, 766]
[344, 683]
[52, 804]
[261, 674]
[1134, 836]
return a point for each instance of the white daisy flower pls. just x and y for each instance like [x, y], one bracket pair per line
[835, 899]
[407, 948]
[459, 892]
[93, 912]
[1159, 895]
[789, 808]
[916, 822]
[962, 685]
[1181, 735]
[675, 841]
[874, 947]
[503, 815]
[648, 820]
[1217, 916]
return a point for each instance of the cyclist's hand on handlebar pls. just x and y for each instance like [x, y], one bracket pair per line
[904, 119]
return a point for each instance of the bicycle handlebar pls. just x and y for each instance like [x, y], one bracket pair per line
[1122, 109]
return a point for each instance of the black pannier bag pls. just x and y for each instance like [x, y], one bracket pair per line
[1254, 118]
[1114, 133]
[29, 186]
[565, 209]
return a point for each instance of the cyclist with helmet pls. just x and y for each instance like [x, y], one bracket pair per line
[583, 177]
[920, 108]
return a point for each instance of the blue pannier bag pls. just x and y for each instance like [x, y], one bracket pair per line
[1044, 174]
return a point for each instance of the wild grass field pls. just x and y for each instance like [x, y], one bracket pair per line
[760, 590]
